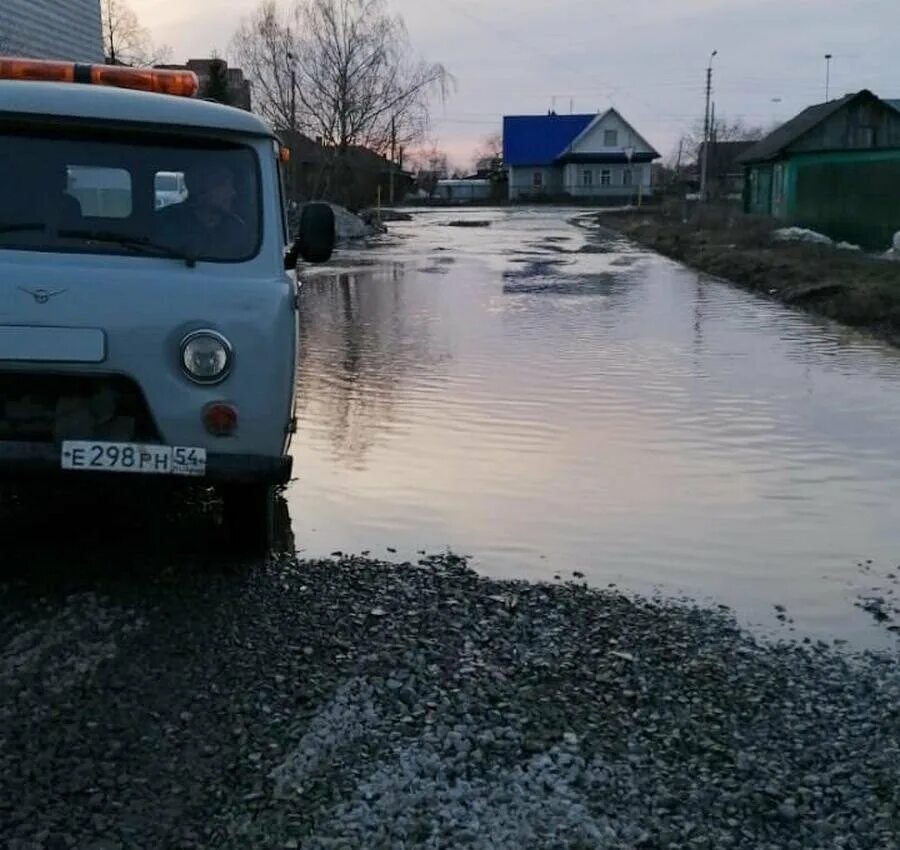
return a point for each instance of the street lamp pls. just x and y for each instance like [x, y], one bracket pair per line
[828, 58]
[703, 176]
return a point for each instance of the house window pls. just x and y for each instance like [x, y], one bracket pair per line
[626, 177]
[605, 177]
[610, 138]
[587, 179]
[537, 179]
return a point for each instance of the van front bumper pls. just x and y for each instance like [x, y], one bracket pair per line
[24, 459]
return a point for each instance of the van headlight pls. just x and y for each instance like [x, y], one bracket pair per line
[206, 356]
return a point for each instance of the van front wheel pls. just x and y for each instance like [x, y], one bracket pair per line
[248, 512]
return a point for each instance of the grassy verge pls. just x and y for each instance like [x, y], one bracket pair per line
[850, 287]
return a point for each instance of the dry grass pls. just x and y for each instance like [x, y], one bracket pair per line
[853, 288]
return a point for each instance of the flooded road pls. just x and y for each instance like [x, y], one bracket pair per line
[551, 402]
[549, 399]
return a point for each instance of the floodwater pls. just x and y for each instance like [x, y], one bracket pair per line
[549, 399]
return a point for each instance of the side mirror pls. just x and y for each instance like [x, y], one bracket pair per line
[315, 236]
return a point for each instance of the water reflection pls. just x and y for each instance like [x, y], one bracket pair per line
[361, 335]
[558, 400]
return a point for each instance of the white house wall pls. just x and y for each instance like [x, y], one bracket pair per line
[593, 140]
[52, 29]
[521, 181]
[574, 183]
[569, 180]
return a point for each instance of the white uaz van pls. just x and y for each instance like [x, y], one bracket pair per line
[147, 284]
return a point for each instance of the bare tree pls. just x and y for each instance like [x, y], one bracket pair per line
[340, 70]
[722, 130]
[489, 154]
[265, 48]
[125, 41]
[429, 165]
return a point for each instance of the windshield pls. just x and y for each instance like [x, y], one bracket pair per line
[129, 194]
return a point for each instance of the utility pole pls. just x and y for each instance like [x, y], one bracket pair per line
[393, 153]
[828, 58]
[705, 148]
[293, 104]
[711, 147]
[676, 179]
[293, 98]
[292, 165]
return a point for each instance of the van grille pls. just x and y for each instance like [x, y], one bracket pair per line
[52, 408]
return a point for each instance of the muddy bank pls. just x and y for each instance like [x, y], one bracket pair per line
[853, 288]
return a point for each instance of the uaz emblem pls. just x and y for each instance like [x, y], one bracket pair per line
[42, 296]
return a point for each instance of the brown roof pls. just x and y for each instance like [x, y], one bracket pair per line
[773, 144]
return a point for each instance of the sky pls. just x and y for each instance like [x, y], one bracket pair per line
[647, 58]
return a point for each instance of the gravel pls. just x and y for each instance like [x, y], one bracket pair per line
[349, 703]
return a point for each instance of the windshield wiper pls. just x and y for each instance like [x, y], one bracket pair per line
[18, 227]
[134, 242]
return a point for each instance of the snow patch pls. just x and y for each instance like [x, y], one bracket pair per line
[894, 253]
[348, 226]
[801, 234]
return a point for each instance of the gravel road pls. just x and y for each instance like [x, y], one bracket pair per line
[350, 703]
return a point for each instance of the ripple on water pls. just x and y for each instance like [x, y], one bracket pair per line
[555, 398]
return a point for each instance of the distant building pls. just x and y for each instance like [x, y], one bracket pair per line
[834, 168]
[464, 190]
[52, 29]
[725, 175]
[357, 178]
[489, 167]
[577, 156]
[215, 72]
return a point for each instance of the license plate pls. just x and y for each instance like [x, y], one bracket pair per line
[133, 457]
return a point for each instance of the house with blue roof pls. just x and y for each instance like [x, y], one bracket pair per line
[597, 156]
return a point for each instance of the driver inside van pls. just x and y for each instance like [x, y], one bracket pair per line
[208, 224]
